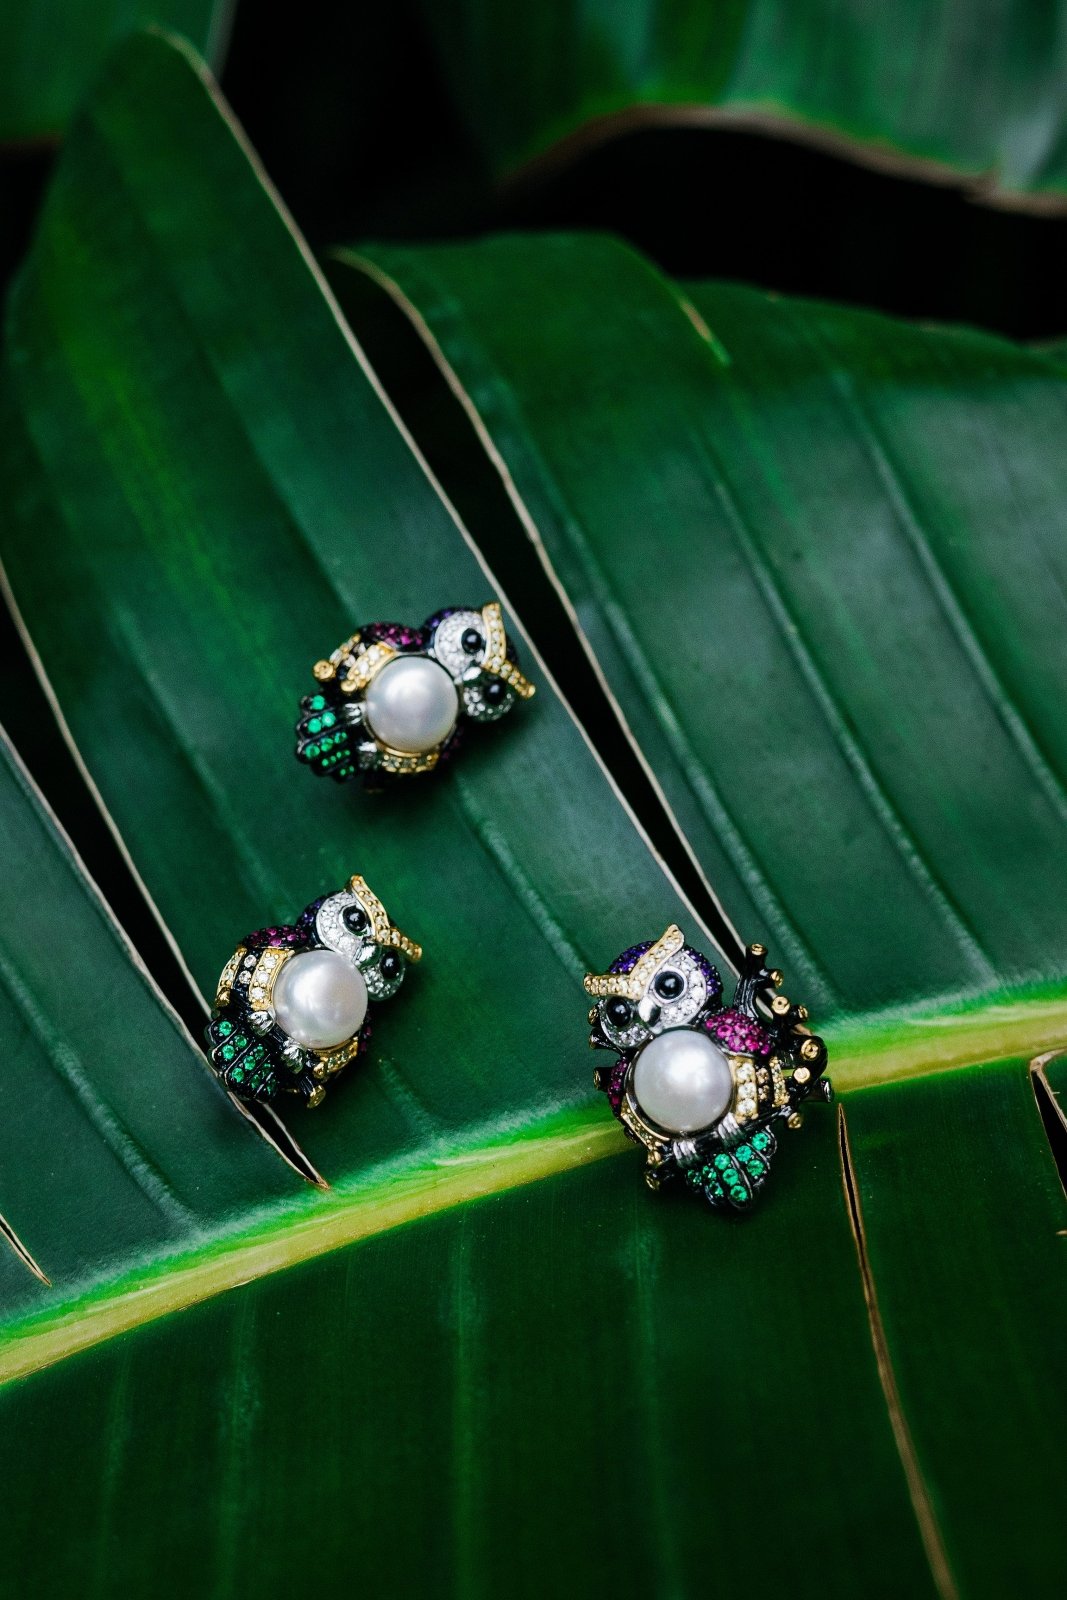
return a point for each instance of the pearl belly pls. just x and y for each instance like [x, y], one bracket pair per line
[319, 999]
[682, 1081]
[411, 705]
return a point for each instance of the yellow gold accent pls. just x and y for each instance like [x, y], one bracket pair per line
[757, 949]
[780, 1005]
[366, 666]
[802, 1013]
[316, 1097]
[809, 1049]
[324, 671]
[332, 1061]
[384, 931]
[795, 1121]
[496, 653]
[746, 1100]
[264, 975]
[777, 978]
[399, 762]
[228, 976]
[801, 1075]
[778, 1082]
[632, 985]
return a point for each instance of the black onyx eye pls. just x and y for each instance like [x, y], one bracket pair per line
[389, 965]
[619, 1013]
[495, 691]
[472, 642]
[669, 985]
[354, 918]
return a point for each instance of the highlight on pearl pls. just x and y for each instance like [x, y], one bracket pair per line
[411, 705]
[682, 1081]
[320, 999]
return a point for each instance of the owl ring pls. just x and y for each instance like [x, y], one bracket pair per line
[292, 1007]
[392, 699]
[701, 1084]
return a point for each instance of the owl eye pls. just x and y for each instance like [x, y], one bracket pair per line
[389, 965]
[494, 692]
[619, 1013]
[354, 919]
[472, 642]
[669, 985]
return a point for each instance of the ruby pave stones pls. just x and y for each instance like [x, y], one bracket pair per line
[699, 1084]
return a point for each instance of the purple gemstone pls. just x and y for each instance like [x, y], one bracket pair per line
[711, 974]
[397, 634]
[629, 958]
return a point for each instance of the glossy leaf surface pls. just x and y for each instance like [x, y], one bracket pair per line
[208, 492]
[117, 1147]
[820, 557]
[967, 94]
[853, 530]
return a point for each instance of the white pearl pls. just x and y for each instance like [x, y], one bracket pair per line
[319, 999]
[682, 1081]
[412, 704]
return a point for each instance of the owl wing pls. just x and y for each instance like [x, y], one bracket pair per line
[326, 739]
[246, 1065]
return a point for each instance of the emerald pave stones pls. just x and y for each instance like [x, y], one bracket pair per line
[698, 1083]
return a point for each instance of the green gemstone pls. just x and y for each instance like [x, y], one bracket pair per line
[315, 725]
[761, 1140]
[317, 702]
[328, 719]
[240, 1042]
[325, 744]
[311, 751]
[722, 1162]
[227, 1052]
[237, 1074]
[225, 1029]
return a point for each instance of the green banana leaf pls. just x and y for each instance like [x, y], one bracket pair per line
[565, 1385]
[116, 1145]
[972, 94]
[818, 557]
[50, 50]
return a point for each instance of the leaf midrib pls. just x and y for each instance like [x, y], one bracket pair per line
[867, 1053]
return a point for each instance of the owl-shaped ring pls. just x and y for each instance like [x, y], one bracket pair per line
[700, 1084]
[294, 1003]
[392, 700]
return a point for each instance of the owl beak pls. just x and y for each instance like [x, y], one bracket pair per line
[648, 1011]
